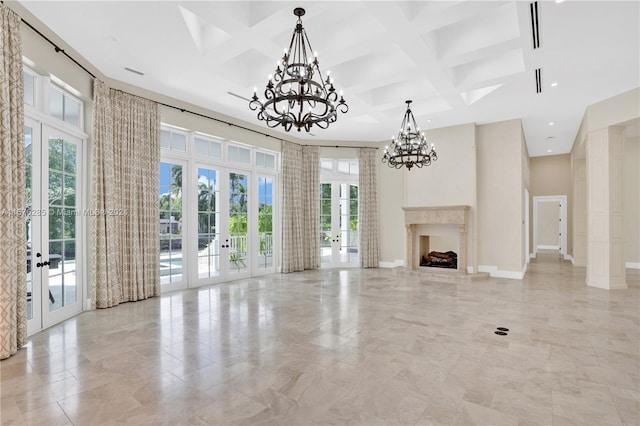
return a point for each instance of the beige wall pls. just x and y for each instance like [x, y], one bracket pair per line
[577, 242]
[614, 111]
[500, 184]
[631, 199]
[551, 175]
[449, 181]
[391, 190]
[525, 191]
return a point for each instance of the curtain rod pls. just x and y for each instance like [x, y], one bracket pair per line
[60, 50]
[343, 146]
[56, 47]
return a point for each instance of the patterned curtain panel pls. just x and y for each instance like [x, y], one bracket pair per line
[292, 205]
[311, 205]
[13, 237]
[368, 207]
[125, 248]
[300, 207]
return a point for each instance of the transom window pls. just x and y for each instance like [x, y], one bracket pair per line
[265, 160]
[64, 107]
[173, 139]
[239, 154]
[208, 147]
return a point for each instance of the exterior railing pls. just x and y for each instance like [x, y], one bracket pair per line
[238, 245]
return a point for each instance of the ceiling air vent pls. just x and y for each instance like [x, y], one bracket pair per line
[535, 28]
[538, 80]
[134, 71]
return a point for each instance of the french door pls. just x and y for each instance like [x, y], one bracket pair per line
[223, 239]
[54, 225]
[339, 224]
[216, 224]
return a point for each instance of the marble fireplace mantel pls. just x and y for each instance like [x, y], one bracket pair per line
[440, 215]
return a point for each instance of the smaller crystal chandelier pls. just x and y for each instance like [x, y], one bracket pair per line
[411, 147]
[296, 95]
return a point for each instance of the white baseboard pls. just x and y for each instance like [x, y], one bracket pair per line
[569, 258]
[495, 272]
[394, 264]
[632, 265]
[469, 269]
[532, 255]
[543, 247]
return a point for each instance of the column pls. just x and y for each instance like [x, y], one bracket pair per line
[410, 258]
[462, 257]
[605, 242]
[580, 212]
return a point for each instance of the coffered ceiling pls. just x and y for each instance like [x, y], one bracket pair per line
[459, 61]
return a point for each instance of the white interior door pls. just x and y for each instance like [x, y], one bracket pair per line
[550, 223]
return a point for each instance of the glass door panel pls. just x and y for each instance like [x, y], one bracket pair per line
[326, 235]
[265, 222]
[208, 223]
[62, 223]
[170, 199]
[238, 221]
[32, 222]
[348, 241]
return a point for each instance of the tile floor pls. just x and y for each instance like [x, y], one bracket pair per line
[342, 347]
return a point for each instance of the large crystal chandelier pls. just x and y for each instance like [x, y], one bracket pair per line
[410, 148]
[297, 95]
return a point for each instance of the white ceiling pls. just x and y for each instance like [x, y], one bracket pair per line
[459, 61]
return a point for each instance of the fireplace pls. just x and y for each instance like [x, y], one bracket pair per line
[456, 216]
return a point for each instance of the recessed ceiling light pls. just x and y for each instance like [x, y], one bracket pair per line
[548, 150]
[551, 123]
[559, 1]
[429, 120]
[554, 84]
